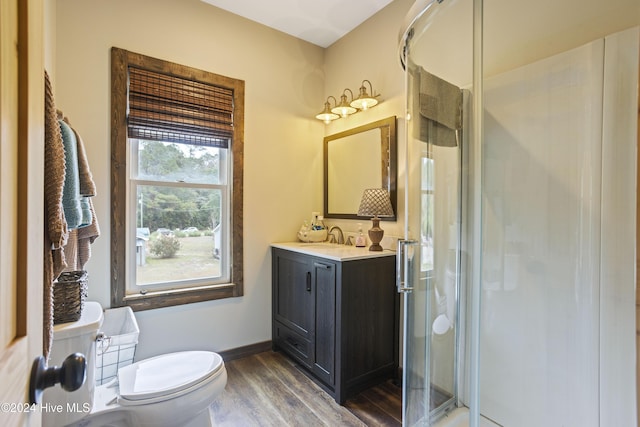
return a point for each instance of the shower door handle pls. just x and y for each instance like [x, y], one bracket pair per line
[405, 264]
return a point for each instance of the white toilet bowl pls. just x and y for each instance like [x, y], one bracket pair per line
[175, 389]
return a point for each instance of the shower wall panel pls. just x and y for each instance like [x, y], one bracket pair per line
[541, 242]
[617, 275]
[558, 264]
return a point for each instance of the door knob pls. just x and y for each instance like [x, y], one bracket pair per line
[71, 375]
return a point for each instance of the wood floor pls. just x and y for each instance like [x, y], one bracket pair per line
[267, 389]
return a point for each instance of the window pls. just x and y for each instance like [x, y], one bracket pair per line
[176, 179]
[427, 214]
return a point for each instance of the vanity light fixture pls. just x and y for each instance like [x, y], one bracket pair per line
[326, 115]
[346, 108]
[364, 100]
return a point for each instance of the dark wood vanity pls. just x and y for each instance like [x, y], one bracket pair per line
[336, 312]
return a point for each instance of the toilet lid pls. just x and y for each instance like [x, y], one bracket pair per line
[166, 374]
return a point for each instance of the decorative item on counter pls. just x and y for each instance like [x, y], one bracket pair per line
[375, 203]
[317, 232]
[361, 241]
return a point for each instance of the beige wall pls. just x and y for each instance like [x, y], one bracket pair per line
[371, 52]
[283, 143]
[49, 38]
[638, 271]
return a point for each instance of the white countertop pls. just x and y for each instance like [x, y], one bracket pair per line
[333, 251]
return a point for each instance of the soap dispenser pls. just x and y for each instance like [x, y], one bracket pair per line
[320, 223]
[361, 241]
[314, 220]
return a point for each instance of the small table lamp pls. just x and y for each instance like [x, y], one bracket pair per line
[375, 203]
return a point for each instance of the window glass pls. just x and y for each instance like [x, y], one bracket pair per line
[178, 162]
[180, 215]
[427, 219]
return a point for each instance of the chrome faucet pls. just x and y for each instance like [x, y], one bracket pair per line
[340, 238]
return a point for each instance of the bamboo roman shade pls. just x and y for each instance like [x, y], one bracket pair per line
[168, 108]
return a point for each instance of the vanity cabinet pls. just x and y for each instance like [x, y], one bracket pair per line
[337, 318]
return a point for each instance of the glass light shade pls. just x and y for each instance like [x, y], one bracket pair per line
[326, 115]
[364, 103]
[364, 100]
[343, 109]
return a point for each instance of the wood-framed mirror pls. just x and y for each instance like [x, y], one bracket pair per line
[356, 159]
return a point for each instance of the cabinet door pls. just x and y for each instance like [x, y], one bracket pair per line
[325, 328]
[294, 294]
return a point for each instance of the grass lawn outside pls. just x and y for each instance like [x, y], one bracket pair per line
[194, 260]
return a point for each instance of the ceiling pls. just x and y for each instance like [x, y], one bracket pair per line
[320, 22]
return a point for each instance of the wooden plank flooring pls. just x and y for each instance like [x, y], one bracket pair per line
[267, 389]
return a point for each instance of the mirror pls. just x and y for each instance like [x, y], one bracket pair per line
[356, 159]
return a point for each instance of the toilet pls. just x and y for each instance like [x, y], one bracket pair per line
[175, 389]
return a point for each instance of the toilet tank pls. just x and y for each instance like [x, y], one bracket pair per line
[62, 407]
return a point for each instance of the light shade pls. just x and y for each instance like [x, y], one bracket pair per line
[326, 115]
[344, 109]
[375, 203]
[364, 100]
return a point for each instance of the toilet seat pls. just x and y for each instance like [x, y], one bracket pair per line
[166, 376]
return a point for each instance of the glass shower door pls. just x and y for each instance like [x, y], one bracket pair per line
[438, 78]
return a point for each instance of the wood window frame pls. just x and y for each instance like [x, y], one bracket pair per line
[120, 61]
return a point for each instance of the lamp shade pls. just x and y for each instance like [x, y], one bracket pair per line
[375, 203]
[364, 100]
[344, 109]
[326, 115]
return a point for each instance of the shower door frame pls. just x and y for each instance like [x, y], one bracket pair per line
[466, 341]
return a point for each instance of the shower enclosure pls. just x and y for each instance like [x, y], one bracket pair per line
[518, 265]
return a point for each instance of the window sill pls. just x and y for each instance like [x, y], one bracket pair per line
[169, 298]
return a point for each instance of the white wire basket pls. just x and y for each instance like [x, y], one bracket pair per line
[116, 343]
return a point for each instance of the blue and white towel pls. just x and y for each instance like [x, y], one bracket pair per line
[71, 190]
